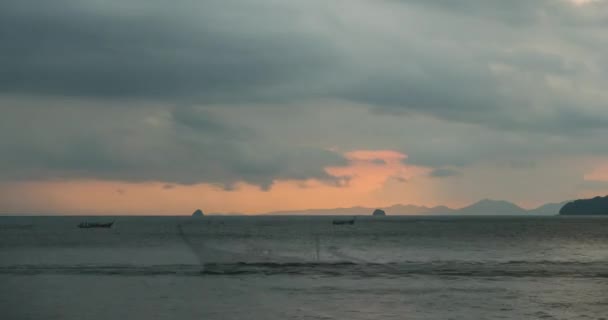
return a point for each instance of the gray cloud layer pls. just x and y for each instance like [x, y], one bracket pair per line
[472, 61]
[202, 51]
[528, 76]
[181, 145]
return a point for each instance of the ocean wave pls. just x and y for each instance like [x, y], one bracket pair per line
[334, 269]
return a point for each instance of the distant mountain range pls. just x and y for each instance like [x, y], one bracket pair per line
[483, 207]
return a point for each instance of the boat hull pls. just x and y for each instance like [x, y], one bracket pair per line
[87, 225]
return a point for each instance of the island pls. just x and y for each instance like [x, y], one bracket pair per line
[198, 213]
[589, 207]
[379, 213]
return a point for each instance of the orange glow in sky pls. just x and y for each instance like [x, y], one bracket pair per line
[371, 178]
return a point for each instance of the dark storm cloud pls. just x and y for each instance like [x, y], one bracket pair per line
[224, 52]
[122, 52]
[232, 51]
[186, 145]
[191, 51]
[534, 68]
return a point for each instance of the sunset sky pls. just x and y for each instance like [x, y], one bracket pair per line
[162, 107]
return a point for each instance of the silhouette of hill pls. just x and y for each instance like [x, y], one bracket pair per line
[413, 209]
[378, 213]
[595, 206]
[548, 209]
[492, 207]
[483, 207]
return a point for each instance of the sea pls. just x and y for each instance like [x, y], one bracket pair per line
[304, 267]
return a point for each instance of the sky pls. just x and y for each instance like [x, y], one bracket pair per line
[162, 107]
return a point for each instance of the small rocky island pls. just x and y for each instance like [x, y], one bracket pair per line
[198, 213]
[586, 207]
[379, 213]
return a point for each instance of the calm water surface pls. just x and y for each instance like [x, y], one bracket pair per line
[305, 268]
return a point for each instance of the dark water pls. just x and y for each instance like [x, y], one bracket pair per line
[305, 267]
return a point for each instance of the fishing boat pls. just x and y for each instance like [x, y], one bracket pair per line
[343, 222]
[87, 225]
